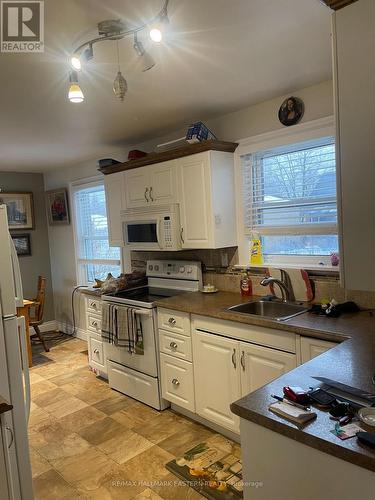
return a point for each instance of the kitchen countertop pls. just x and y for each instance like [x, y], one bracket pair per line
[4, 405]
[88, 290]
[351, 362]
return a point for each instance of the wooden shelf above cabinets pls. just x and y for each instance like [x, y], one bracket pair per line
[189, 149]
[338, 4]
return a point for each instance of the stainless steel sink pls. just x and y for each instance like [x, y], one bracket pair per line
[279, 311]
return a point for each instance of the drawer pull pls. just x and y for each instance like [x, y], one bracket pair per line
[93, 305]
[173, 346]
[96, 351]
[94, 323]
[172, 321]
[175, 382]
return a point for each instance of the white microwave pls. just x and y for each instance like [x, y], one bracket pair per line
[152, 228]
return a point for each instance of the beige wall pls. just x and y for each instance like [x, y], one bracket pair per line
[39, 261]
[234, 126]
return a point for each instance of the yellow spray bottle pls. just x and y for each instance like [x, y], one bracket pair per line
[256, 257]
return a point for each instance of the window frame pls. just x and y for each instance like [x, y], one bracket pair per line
[314, 130]
[79, 262]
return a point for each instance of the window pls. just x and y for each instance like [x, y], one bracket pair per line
[290, 199]
[95, 258]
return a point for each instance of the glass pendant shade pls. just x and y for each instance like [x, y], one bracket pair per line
[120, 86]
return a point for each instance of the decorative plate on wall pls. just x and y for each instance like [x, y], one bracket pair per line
[291, 111]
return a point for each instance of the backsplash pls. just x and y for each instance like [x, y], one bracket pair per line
[217, 266]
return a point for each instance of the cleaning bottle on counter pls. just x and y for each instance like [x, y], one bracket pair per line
[246, 285]
[256, 257]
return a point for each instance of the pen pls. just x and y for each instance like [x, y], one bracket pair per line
[292, 403]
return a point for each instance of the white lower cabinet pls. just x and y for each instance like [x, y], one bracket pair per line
[260, 365]
[221, 362]
[217, 380]
[97, 360]
[177, 381]
[310, 348]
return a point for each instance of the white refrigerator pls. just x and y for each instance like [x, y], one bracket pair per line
[14, 375]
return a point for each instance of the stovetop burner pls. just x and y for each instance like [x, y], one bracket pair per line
[146, 294]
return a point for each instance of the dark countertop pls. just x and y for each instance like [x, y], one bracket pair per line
[4, 405]
[88, 290]
[351, 362]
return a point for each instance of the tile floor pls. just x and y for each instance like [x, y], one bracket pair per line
[88, 441]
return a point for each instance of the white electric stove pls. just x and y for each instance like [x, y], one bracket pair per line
[135, 375]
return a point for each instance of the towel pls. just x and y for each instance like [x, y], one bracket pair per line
[298, 281]
[122, 327]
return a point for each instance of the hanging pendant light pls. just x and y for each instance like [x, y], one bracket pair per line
[120, 86]
[146, 60]
[75, 93]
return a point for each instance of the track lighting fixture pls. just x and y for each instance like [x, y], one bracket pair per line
[114, 30]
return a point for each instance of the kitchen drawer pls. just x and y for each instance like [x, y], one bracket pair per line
[96, 353]
[177, 381]
[134, 384]
[176, 345]
[94, 305]
[174, 321]
[94, 324]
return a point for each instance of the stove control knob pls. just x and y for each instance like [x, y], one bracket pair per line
[182, 269]
[189, 270]
[150, 268]
[156, 268]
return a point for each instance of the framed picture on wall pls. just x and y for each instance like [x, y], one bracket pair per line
[57, 207]
[20, 209]
[22, 244]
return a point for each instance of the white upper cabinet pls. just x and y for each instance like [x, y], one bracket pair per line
[151, 185]
[137, 186]
[206, 197]
[163, 186]
[201, 184]
[115, 201]
[354, 46]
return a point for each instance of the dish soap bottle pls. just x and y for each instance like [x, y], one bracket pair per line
[246, 285]
[256, 250]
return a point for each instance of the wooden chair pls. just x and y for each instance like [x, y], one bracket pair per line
[37, 319]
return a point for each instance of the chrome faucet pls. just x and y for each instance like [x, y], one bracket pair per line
[286, 294]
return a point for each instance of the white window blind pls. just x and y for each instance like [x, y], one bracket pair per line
[290, 197]
[95, 258]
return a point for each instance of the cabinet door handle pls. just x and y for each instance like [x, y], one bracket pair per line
[11, 436]
[175, 382]
[182, 235]
[93, 305]
[173, 346]
[146, 197]
[94, 323]
[243, 360]
[151, 198]
[234, 362]
[172, 321]
[96, 351]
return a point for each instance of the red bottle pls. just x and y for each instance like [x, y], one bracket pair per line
[246, 286]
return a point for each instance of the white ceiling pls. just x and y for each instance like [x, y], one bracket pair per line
[220, 56]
